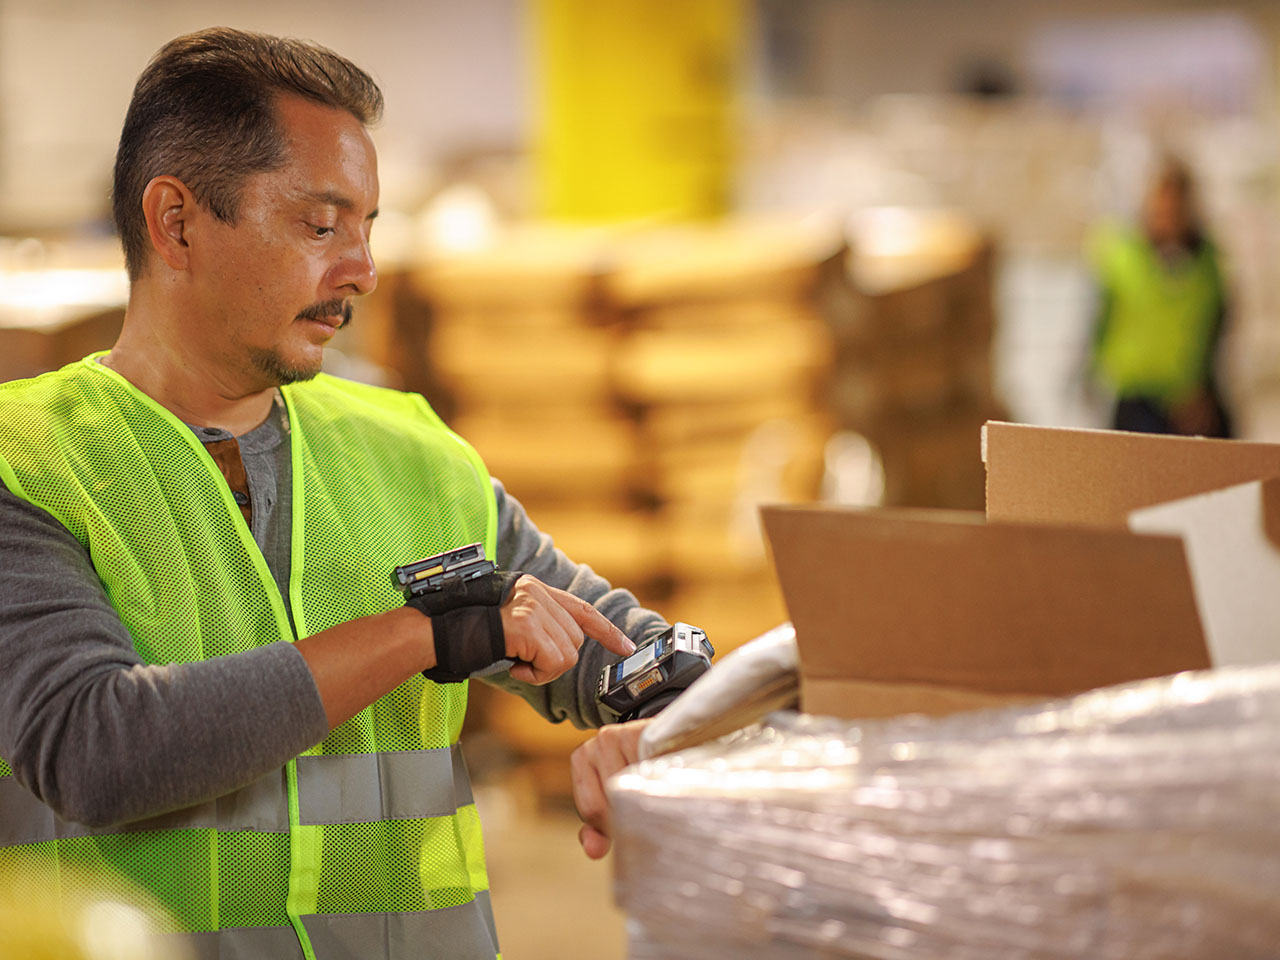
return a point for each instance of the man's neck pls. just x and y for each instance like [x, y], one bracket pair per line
[188, 384]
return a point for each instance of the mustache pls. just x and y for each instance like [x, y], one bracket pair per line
[326, 309]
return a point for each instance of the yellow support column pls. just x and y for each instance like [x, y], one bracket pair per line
[635, 107]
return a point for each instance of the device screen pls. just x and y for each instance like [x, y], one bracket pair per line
[641, 658]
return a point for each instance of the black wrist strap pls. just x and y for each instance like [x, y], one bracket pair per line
[466, 623]
[468, 640]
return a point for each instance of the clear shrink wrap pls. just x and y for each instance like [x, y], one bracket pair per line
[1130, 823]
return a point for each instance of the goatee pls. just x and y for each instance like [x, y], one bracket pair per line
[280, 371]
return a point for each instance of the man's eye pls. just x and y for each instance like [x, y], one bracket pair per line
[321, 231]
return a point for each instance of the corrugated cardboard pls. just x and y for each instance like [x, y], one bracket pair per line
[914, 611]
[1096, 477]
[899, 611]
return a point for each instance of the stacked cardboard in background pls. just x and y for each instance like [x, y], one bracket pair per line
[914, 345]
[519, 344]
[722, 361]
[641, 395]
[524, 344]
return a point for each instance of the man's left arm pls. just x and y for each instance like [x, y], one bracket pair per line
[522, 546]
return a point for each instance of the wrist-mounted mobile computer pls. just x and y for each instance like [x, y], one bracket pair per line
[658, 672]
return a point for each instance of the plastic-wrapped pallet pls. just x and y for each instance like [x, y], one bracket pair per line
[1133, 822]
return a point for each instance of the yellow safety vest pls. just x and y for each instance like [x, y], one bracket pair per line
[1161, 320]
[366, 845]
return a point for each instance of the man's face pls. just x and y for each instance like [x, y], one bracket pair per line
[1166, 215]
[274, 288]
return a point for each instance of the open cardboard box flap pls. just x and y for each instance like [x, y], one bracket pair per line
[903, 611]
[1096, 477]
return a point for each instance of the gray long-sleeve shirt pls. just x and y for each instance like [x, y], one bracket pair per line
[103, 738]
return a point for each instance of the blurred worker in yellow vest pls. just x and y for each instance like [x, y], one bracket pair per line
[1162, 314]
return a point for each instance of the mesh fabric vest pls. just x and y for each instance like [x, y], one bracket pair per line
[366, 845]
[1161, 319]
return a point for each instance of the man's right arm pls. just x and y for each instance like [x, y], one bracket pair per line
[542, 629]
[103, 738]
[100, 736]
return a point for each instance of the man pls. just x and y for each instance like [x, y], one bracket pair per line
[207, 681]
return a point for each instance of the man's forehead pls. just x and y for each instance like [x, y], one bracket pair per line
[332, 198]
[331, 158]
[310, 126]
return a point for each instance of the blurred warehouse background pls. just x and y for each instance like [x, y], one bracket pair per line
[664, 260]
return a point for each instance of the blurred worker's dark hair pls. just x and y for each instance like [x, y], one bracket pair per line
[204, 111]
[1174, 173]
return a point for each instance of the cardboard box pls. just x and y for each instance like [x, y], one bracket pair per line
[679, 421]
[891, 377]
[1216, 495]
[932, 612]
[1103, 557]
[932, 460]
[774, 460]
[732, 315]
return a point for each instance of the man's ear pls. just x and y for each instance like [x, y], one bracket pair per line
[168, 207]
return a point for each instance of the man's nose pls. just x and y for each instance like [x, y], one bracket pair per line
[356, 271]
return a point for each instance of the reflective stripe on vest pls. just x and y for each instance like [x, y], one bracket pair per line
[455, 933]
[361, 787]
[355, 788]
[375, 821]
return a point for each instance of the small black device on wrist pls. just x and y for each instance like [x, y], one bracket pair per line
[659, 671]
[462, 593]
[432, 574]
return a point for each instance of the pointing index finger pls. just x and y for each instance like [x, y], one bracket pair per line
[594, 624]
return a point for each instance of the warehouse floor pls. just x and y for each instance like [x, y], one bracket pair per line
[550, 901]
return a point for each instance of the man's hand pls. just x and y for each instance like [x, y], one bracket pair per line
[544, 627]
[592, 764]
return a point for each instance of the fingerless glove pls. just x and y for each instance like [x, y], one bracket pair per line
[466, 622]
